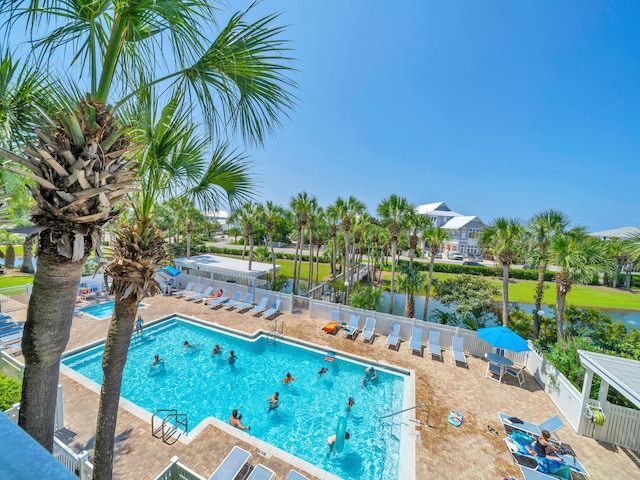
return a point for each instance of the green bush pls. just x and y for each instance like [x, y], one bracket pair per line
[10, 390]
[457, 268]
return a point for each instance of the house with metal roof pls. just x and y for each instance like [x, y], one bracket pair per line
[464, 230]
[622, 233]
[214, 267]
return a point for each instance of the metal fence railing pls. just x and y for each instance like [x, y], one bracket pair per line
[13, 298]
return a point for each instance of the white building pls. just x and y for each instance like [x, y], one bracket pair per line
[219, 216]
[463, 230]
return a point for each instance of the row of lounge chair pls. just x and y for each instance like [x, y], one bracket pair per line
[199, 293]
[393, 339]
[237, 461]
[10, 333]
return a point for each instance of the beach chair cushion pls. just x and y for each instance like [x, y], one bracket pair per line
[232, 464]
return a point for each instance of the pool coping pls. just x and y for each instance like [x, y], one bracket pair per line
[144, 305]
[406, 468]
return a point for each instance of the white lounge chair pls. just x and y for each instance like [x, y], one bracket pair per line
[273, 311]
[457, 351]
[551, 425]
[184, 290]
[351, 330]
[260, 307]
[434, 344]
[200, 296]
[415, 344]
[517, 373]
[232, 464]
[335, 316]
[217, 302]
[293, 475]
[394, 336]
[189, 295]
[369, 330]
[260, 472]
[530, 474]
[5, 334]
[248, 303]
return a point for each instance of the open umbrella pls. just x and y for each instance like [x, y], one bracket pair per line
[503, 337]
[172, 271]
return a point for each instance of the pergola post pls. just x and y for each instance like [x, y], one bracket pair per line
[586, 391]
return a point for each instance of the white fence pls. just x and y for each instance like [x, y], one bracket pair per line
[621, 426]
[13, 298]
[177, 471]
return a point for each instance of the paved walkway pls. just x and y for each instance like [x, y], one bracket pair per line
[442, 451]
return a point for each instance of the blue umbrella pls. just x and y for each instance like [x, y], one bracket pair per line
[503, 337]
[171, 271]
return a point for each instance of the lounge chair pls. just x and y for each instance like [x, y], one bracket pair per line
[434, 344]
[369, 330]
[224, 301]
[248, 303]
[217, 302]
[260, 307]
[232, 464]
[260, 472]
[200, 296]
[335, 316]
[4, 316]
[331, 327]
[273, 311]
[530, 474]
[4, 334]
[351, 330]
[493, 369]
[517, 373]
[457, 351]
[551, 425]
[394, 336]
[7, 326]
[230, 305]
[293, 475]
[415, 344]
[184, 290]
[7, 339]
[189, 295]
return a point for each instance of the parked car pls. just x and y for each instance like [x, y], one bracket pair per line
[473, 264]
[455, 256]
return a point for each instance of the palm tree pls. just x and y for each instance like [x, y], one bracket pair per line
[416, 223]
[411, 282]
[333, 216]
[579, 257]
[271, 214]
[248, 215]
[349, 209]
[394, 211]
[432, 238]
[82, 169]
[504, 239]
[543, 226]
[315, 213]
[300, 205]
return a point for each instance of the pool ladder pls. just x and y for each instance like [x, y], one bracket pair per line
[277, 331]
[171, 422]
[420, 406]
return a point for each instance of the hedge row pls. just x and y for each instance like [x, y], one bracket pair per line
[516, 273]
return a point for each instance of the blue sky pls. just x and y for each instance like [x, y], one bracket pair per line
[498, 108]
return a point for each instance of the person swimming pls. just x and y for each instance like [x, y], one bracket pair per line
[157, 361]
[323, 370]
[274, 401]
[217, 350]
[288, 378]
[231, 358]
[235, 420]
[350, 403]
[188, 346]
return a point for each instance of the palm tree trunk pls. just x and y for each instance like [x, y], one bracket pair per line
[113, 361]
[505, 294]
[428, 291]
[295, 264]
[244, 246]
[310, 281]
[27, 256]
[250, 251]
[347, 267]
[317, 263]
[561, 298]
[394, 247]
[10, 256]
[273, 255]
[410, 306]
[51, 307]
[538, 299]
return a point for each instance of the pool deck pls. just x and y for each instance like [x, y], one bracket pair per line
[442, 451]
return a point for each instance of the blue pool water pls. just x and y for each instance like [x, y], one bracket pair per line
[200, 384]
[103, 310]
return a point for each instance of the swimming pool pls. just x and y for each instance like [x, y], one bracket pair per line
[103, 310]
[203, 385]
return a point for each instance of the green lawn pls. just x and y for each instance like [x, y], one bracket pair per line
[286, 269]
[15, 281]
[18, 249]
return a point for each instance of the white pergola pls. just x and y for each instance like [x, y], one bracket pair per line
[620, 373]
[225, 268]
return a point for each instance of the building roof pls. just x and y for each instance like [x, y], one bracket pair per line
[621, 373]
[622, 232]
[430, 207]
[232, 267]
[220, 214]
[22, 458]
[459, 222]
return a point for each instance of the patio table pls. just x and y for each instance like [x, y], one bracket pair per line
[500, 361]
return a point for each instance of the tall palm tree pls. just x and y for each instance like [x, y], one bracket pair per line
[504, 239]
[300, 205]
[543, 226]
[248, 215]
[333, 216]
[394, 211]
[271, 214]
[315, 215]
[82, 167]
[432, 238]
[416, 223]
[350, 210]
[579, 257]
[411, 282]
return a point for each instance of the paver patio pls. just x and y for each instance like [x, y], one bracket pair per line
[442, 451]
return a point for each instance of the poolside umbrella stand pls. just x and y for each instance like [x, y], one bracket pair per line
[503, 337]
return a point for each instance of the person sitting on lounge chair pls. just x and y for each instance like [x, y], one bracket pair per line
[544, 448]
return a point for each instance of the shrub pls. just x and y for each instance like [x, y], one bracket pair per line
[10, 391]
